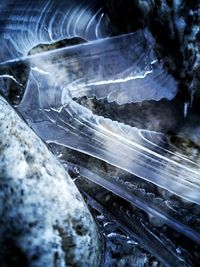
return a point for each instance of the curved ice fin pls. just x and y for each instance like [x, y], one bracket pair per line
[27, 23]
[72, 125]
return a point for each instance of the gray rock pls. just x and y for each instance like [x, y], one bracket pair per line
[43, 218]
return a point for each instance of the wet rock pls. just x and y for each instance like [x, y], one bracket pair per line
[43, 218]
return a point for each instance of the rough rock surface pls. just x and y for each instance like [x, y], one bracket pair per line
[43, 218]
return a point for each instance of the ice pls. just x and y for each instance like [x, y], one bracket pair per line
[25, 24]
[119, 70]
[49, 106]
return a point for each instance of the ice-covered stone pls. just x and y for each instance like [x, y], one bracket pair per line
[43, 218]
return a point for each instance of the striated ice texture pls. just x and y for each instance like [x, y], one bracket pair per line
[120, 70]
[117, 214]
[27, 23]
[140, 196]
[49, 107]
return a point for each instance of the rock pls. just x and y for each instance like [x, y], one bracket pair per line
[43, 218]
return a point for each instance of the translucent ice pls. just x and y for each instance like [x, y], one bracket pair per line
[49, 107]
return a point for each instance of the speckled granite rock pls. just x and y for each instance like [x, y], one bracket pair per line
[43, 218]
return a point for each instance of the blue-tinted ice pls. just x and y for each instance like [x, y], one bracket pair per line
[121, 70]
[119, 64]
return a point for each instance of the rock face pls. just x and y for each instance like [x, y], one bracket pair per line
[43, 218]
